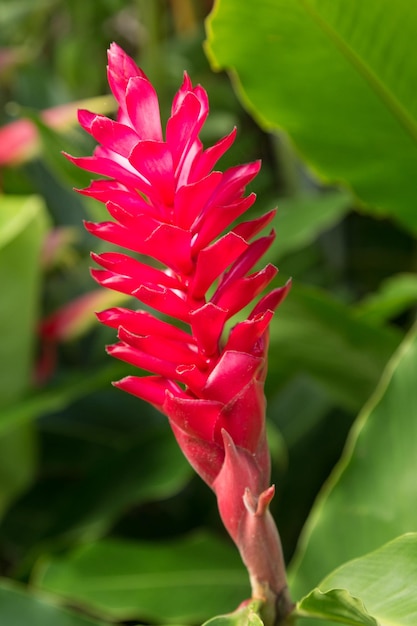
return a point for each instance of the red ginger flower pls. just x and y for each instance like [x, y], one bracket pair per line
[168, 203]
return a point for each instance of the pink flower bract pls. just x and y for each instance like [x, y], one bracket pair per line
[168, 203]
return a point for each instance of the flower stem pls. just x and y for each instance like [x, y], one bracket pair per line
[262, 553]
[265, 562]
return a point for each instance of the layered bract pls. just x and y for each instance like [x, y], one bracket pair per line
[169, 204]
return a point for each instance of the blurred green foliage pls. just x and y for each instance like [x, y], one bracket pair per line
[84, 467]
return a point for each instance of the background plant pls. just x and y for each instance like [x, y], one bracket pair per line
[92, 486]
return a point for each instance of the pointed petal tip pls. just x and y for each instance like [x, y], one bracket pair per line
[264, 500]
[272, 300]
[94, 274]
[227, 440]
[113, 47]
[85, 117]
[249, 501]
[286, 288]
[258, 505]
[99, 316]
[90, 226]
[115, 53]
[107, 315]
[68, 156]
[186, 83]
[121, 384]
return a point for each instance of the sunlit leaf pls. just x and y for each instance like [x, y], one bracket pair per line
[22, 229]
[339, 78]
[370, 498]
[383, 581]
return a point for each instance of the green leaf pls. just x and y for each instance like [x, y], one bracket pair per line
[57, 398]
[314, 333]
[384, 580]
[10, 13]
[299, 408]
[19, 607]
[184, 581]
[370, 498]
[396, 295]
[102, 458]
[300, 219]
[52, 143]
[18, 464]
[339, 78]
[338, 605]
[247, 615]
[22, 228]
[151, 467]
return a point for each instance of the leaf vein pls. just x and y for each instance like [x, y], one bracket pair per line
[388, 98]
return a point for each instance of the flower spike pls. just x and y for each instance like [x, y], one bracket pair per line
[169, 205]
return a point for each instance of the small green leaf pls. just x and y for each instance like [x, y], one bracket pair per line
[396, 295]
[247, 615]
[183, 581]
[371, 497]
[338, 605]
[384, 580]
[19, 607]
